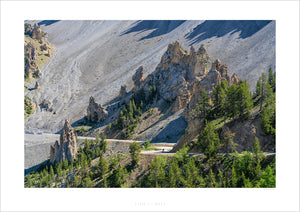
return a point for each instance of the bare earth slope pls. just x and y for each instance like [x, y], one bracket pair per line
[94, 58]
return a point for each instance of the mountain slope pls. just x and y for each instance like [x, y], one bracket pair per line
[94, 58]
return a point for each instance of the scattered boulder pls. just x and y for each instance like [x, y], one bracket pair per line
[66, 149]
[47, 105]
[95, 112]
[44, 47]
[36, 85]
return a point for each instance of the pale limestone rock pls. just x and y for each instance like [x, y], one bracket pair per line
[66, 149]
[95, 112]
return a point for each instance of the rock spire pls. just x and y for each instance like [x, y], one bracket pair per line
[66, 149]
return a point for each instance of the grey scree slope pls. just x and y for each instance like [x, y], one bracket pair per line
[94, 58]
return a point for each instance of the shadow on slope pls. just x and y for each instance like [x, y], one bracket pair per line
[172, 132]
[160, 27]
[219, 28]
[35, 168]
[47, 22]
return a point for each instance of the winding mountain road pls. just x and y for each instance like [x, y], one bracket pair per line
[37, 147]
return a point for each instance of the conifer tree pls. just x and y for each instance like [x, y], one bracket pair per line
[219, 96]
[134, 150]
[258, 87]
[211, 179]
[244, 100]
[191, 173]
[174, 174]
[232, 106]
[271, 79]
[209, 141]
[221, 183]
[266, 91]
[234, 178]
[102, 166]
[256, 147]
[204, 104]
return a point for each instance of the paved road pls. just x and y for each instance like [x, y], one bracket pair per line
[37, 147]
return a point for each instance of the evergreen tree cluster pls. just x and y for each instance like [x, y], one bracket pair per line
[131, 113]
[227, 101]
[266, 92]
[248, 169]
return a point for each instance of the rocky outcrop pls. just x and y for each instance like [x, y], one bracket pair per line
[35, 32]
[44, 47]
[46, 105]
[66, 149]
[179, 79]
[234, 79]
[123, 91]
[175, 74]
[37, 86]
[31, 68]
[138, 78]
[95, 112]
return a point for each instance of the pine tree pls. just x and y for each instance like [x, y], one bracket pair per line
[134, 150]
[102, 166]
[204, 104]
[229, 145]
[268, 119]
[268, 179]
[258, 87]
[244, 100]
[221, 183]
[271, 79]
[219, 96]
[211, 179]
[256, 147]
[234, 178]
[246, 181]
[209, 141]
[266, 91]
[174, 174]
[157, 174]
[232, 106]
[76, 182]
[191, 173]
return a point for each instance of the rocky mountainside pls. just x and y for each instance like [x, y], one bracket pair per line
[96, 58]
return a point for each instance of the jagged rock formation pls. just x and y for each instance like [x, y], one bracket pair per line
[95, 112]
[34, 32]
[31, 68]
[180, 77]
[66, 149]
[123, 91]
[138, 78]
[47, 105]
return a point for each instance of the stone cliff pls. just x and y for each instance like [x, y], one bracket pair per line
[66, 149]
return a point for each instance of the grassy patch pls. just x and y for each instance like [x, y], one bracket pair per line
[42, 56]
[219, 122]
[82, 129]
[28, 107]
